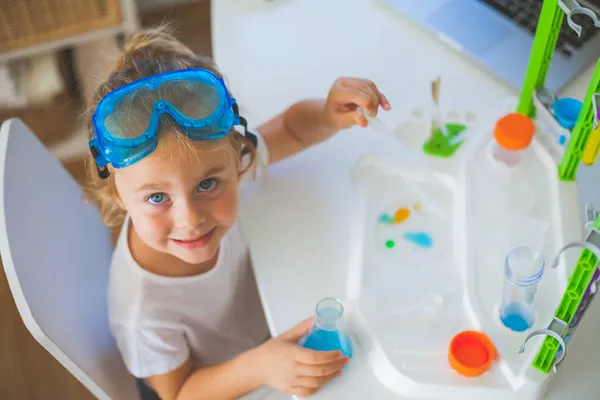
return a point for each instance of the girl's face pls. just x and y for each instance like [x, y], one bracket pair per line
[182, 206]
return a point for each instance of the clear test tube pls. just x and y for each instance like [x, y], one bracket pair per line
[523, 271]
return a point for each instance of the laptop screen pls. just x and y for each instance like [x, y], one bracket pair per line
[591, 3]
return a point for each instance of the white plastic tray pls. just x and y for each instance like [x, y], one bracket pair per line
[407, 302]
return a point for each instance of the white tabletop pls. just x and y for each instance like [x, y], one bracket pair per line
[297, 219]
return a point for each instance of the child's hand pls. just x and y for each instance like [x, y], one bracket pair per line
[346, 95]
[290, 368]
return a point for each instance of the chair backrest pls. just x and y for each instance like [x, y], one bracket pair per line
[56, 256]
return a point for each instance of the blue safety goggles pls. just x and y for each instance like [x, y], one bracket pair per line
[127, 120]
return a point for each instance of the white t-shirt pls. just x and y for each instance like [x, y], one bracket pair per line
[159, 322]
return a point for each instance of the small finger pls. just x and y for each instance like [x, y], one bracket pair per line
[365, 98]
[308, 356]
[360, 98]
[302, 391]
[371, 97]
[384, 102]
[371, 88]
[297, 332]
[361, 120]
[359, 83]
[315, 382]
[321, 369]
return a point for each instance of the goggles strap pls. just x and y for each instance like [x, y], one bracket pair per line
[103, 172]
[247, 134]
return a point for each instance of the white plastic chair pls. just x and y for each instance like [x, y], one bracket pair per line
[56, 255]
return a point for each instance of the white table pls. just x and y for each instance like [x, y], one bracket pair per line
[298, 218]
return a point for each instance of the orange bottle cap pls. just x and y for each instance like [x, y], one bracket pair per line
[471, 353]
[514, 131]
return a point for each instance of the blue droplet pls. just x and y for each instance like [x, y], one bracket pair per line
[562, 139]
[421, 239]
[386, 219]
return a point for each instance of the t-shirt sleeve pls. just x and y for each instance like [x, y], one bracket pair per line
[262, 159]
[262, 153]
[151, 351]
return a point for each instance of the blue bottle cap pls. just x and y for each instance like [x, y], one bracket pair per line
[566, 111]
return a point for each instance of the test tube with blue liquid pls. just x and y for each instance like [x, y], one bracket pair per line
[328, 332]
[523, 271]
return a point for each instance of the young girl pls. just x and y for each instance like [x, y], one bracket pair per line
[168, 152]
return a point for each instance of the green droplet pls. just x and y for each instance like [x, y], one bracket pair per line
[389, 244]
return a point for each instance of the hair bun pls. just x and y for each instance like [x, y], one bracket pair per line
[154, 43]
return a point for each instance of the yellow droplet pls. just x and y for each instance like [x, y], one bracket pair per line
[401, 215]
[417, 208]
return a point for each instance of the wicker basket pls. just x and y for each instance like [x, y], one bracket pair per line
[24, 23]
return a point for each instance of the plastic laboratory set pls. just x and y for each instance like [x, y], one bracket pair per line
[470, 268]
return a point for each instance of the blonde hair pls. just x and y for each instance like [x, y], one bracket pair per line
[148, 53]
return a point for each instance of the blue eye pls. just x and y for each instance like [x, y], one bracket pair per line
[207, 185]
[157, 198]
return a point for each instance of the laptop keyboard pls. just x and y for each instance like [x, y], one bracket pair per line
[526, 13]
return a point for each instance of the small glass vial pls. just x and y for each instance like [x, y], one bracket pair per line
[523, 270]
[327, 332]
[513, 134]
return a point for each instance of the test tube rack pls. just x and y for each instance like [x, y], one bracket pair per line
[574, 301]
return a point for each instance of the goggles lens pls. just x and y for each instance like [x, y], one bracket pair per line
[132, 115]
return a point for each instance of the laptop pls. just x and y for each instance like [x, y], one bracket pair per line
[498, 34]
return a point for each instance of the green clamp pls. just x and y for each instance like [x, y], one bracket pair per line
[591, 243]
[571, 8]
[570, 303]
[557, 329]
[591, 215]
